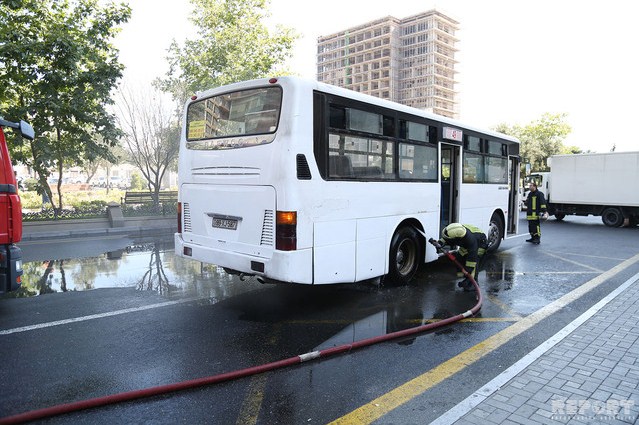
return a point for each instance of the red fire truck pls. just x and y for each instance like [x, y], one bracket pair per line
[10, 212]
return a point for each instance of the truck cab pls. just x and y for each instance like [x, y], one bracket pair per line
[10, 212]
[541, 180]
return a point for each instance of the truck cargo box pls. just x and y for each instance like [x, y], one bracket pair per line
[595, 179]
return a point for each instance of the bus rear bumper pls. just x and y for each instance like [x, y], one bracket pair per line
[283, 266]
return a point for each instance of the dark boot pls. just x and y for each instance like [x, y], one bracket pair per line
[467, 285]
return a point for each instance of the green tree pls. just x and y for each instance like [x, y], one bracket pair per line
[58, 67]
[540, 139]
[233, 44]
[571, 150]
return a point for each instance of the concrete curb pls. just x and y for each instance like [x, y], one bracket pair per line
[62, 229]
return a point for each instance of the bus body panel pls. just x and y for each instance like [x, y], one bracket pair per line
[213, 208]
[334, 251]
[477, 202]
[371, 256]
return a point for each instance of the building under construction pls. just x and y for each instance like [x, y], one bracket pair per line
[410, 61]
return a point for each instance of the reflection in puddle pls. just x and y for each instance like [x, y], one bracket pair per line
[500, 273]
[432, 296]
[146, 265]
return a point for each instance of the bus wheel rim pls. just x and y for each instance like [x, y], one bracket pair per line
[493, 234]
[405, 257]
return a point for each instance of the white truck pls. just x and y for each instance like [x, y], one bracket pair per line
[599, 184]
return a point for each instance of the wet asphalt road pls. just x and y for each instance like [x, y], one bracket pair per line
[109, 315]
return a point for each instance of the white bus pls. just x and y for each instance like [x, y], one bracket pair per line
[296, 181]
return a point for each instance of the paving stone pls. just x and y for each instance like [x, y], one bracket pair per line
[500, 405]
[521, 420]
[602, 395]
[542, 419]
[599, 375]
[526, 410]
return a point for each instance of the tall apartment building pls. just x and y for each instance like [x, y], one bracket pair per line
[410, 61]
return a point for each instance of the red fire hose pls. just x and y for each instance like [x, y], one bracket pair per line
[215, 379]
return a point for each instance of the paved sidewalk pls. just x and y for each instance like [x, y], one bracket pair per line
[588, 373]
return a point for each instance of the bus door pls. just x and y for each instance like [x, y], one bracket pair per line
[449, 185]
[513, 195]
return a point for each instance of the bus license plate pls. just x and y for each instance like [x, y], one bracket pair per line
[225, 223]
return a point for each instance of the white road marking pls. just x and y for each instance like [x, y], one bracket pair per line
[94, 316]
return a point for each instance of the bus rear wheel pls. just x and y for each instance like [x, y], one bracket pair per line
[495, 233]
[404, 256]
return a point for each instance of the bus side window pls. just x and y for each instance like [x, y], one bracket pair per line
[339, 166]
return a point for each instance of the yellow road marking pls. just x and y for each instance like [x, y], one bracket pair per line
[493, 299]
[490, 319]
[406, 392]
[252, 404]
[480, 320]
[417, 322]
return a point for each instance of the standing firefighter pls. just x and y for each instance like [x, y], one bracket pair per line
[535, 208]
[472, 244]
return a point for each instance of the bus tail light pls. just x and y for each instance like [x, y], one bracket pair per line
[179, 217]
[286, 230]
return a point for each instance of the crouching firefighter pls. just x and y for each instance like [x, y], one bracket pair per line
[472, 243]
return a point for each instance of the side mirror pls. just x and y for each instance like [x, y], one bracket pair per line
[26, 130]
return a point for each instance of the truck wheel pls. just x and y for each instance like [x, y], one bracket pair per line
[612, 217]
[495, 233]
[559, 216]
[404, 256]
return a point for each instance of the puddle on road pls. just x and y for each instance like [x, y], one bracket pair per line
[147, 264]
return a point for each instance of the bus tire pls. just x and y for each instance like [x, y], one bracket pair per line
[559, 216]
[612, 217]
[404, 255]
[495, 233]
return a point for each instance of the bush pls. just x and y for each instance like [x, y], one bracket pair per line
[31, 184]
[30, 200]
[90, 206]
[137, 183]
[73, 199]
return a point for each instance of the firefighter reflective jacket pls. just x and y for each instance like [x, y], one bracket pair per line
[535, 205]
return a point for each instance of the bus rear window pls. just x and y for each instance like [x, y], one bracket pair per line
[243, 113]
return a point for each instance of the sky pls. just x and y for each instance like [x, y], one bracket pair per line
[517, 59]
